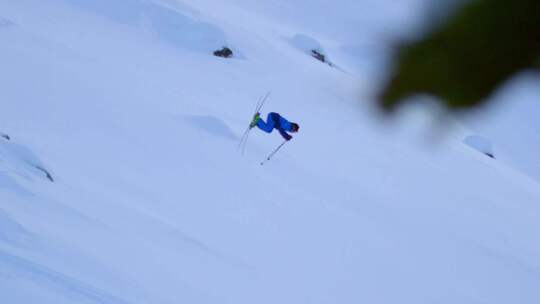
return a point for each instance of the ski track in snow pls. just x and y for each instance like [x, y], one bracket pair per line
[10, 184]
[5, 23]
[17, 268]
[12, 232]
[210, 124]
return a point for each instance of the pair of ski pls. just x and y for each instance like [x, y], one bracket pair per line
[244, 138]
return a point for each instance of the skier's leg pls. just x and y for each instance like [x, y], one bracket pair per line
[267, 126]
[285, 124]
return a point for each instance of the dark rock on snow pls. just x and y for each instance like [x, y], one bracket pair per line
[225, 52]
[47, 174]
[321, 57]
[317, 55]
[480, 144]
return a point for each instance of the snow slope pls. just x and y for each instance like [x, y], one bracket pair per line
[151, 202]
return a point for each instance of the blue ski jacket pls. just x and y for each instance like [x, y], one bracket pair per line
[275, 121]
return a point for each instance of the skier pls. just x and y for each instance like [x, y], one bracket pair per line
[275, 121]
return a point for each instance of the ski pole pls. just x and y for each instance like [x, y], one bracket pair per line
[273, 152]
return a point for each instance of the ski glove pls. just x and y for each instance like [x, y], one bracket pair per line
[285, 135]
[255, 120]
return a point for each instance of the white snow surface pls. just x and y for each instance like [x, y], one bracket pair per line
[122, 102]
[480, 144]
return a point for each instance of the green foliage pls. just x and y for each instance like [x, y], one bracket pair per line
[464, 60]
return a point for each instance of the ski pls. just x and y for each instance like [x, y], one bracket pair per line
[244, 138]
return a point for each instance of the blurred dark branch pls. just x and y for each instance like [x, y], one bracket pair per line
[469, 56]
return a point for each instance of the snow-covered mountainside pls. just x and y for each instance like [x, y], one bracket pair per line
[121, 181]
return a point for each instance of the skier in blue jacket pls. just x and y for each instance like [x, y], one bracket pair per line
[275, 121]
